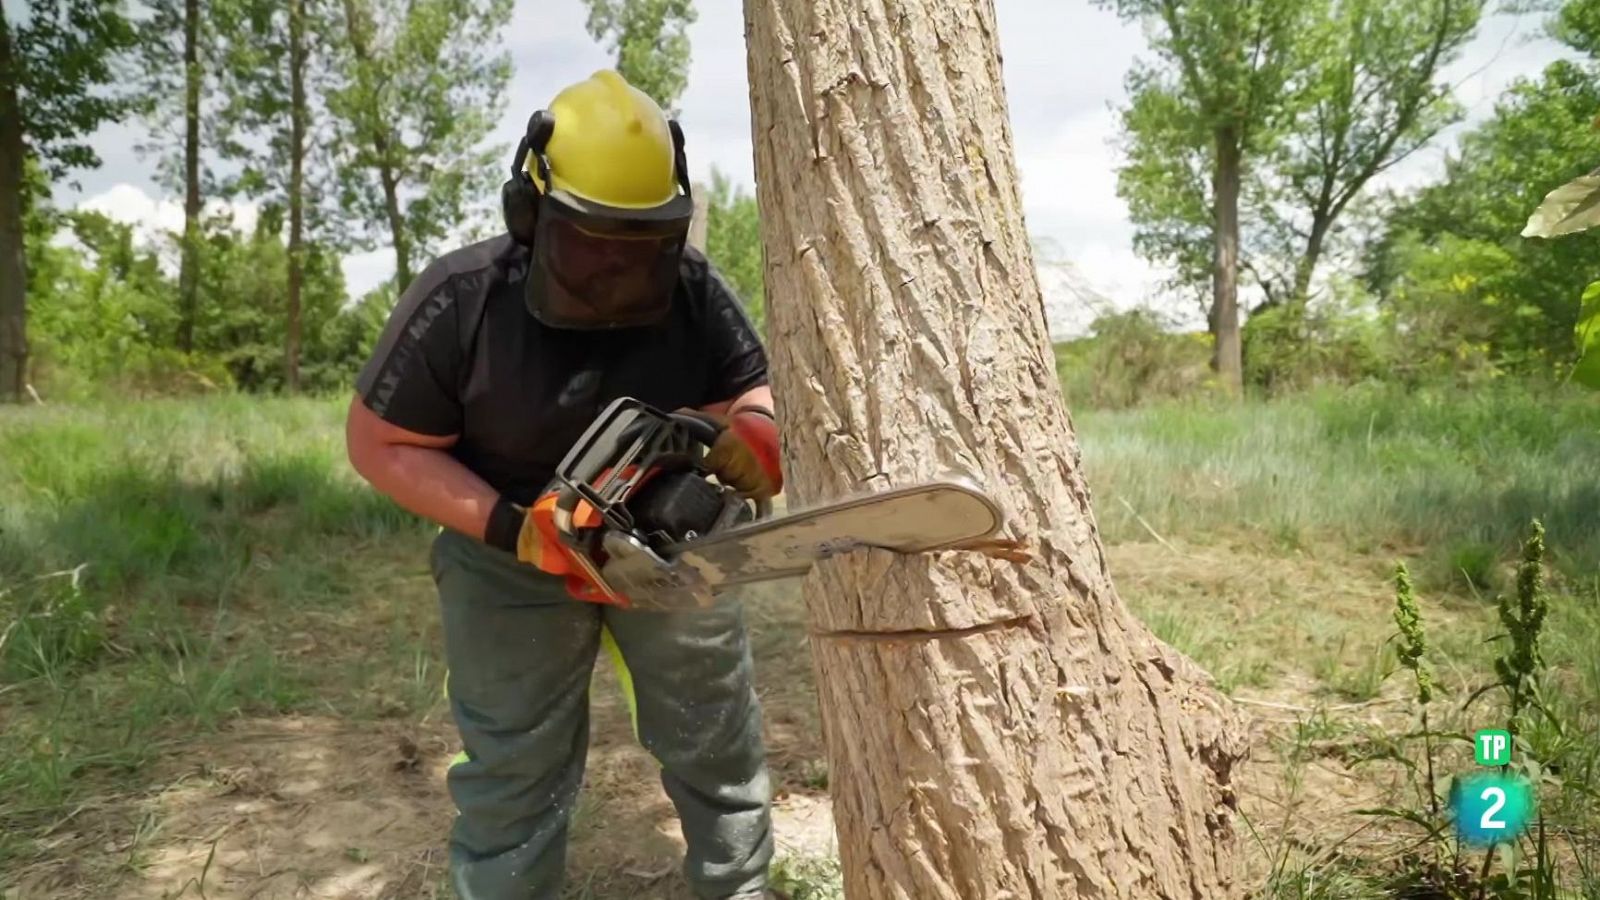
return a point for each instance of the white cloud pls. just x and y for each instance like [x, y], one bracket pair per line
[132, 205]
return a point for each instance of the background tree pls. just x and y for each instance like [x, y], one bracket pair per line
[1222, 73]
[1456, 245]
[1370, 97]
[178, 69]
[177, 66]
[57, 64]
[993, 729]
[651, 40]
[416, 89]
[272, 128]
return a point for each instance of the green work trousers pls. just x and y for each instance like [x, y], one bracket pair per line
[520, 653]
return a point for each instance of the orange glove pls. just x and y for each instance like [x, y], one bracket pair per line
[745, 454]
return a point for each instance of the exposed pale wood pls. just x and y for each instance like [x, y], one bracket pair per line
[1037, 741]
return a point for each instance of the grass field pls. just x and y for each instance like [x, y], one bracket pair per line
[220, 670]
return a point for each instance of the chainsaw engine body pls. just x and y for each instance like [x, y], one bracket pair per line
[632, 485]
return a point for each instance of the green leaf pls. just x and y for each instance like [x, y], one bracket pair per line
[1573, 207]
[1587, 331]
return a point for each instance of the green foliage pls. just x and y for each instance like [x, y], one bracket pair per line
[414, 90]
[1451, 260]
[1129, 359]
[1413, 641]
[162, 82]
[1365, 96]
[1587, 370]
[1520, 666]
[1220, 77]
[651, 40]
[733, 243]
[106, 314]
[66, 53]
[1340, 339]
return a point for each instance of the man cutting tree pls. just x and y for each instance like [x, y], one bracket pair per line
[492, 365]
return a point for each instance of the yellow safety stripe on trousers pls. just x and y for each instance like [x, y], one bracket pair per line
[624, 677]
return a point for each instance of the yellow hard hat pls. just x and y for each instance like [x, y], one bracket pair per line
[611, 144]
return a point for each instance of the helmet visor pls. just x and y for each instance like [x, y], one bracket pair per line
[592, 273]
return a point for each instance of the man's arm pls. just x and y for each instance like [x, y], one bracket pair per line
[758, 397]
[413, 470]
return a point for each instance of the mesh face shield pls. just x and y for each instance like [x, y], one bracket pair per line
[596, 266]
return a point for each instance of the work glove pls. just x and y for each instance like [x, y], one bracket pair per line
[514, 529]
[744, 455]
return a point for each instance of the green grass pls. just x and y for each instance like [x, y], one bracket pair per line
[169, 566]
[154, 558]
[1458, 474]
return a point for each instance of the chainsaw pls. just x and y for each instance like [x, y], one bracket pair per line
[641, 523]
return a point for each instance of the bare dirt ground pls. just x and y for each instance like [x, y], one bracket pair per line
[318, 807]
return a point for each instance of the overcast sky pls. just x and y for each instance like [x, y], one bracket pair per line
[1064, 64]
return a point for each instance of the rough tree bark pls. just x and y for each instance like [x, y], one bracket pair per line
[297, 153]
[994, 730]
[13, 261]
[188, 271]
[1226, 356]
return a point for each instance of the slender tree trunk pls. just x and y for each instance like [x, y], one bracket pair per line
[188, 272]
[397, 222]
[995, 730]
[357, 20]
[13, 259]
[1306, 268]
[1226, 357]
[297, 152]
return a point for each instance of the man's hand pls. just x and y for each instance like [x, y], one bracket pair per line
[744, 455]
[515, 529]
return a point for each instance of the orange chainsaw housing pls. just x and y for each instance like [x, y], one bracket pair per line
[556, 558]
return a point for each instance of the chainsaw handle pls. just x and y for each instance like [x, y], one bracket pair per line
[700, 429]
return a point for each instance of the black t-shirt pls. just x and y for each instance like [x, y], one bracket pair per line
[462, 355]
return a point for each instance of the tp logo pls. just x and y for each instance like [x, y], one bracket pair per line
[1490, 808]
[1491, 747]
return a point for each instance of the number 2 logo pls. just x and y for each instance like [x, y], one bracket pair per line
[1489, 820]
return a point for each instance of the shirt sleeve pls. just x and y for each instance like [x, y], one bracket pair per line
[738, 360]
[412, 376]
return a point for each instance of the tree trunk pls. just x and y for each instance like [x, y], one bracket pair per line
[397, 222]
[994, 730]
[356, 22]
[297, 152]
[1306, 268]
[1226, 358]
[188, 272]
[13, 259]
[698, 223]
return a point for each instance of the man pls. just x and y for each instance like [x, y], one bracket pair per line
[494, 361]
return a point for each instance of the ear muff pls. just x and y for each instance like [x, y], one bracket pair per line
[680, 161]
[519, 196]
